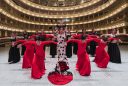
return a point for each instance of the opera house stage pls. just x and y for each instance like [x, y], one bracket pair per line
[63, 42]
[114, 75]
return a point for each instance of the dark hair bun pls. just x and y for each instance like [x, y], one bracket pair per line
[83, 37]
[38, 38]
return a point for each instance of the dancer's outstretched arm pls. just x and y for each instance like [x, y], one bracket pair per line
[49, 36]
[73, 41]
[48, 42]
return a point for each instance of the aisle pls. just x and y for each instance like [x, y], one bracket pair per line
[114, 75]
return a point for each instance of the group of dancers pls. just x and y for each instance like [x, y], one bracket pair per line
[62, 43]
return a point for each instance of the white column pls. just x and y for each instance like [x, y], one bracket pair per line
[124, 30]
[118, 31]
[6, 34]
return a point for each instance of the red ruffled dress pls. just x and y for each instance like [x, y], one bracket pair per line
[102, 58]
[38, 64]
[83, 62]
[29, 54]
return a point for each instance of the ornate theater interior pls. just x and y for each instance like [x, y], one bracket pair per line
[21, 17]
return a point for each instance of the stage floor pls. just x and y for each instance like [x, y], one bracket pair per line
[114, 75]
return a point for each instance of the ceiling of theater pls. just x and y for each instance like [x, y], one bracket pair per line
[60, 3]
[34, 15]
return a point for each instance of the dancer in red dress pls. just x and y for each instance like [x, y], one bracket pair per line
[38, 64]
[28, 55]
[83, 62]
[102, 57]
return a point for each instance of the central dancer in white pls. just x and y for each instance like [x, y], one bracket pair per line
[62, 65]
[61, 76]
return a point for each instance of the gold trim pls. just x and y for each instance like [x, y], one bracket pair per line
[29, 3]
[112, 26]
[86, 22]
[28, 12]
